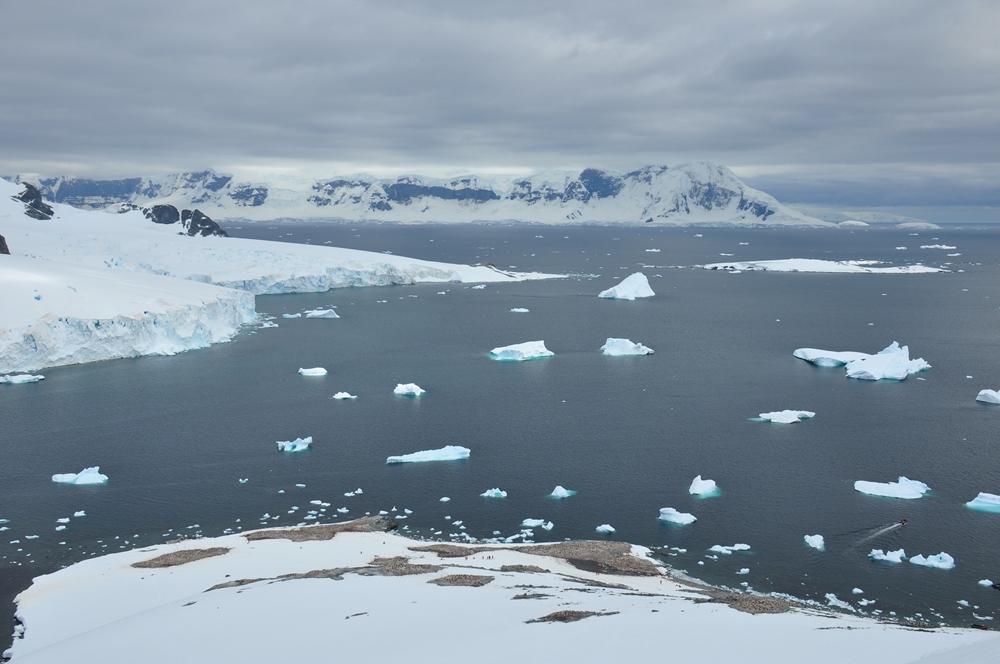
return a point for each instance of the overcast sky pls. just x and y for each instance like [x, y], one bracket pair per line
[857, 103]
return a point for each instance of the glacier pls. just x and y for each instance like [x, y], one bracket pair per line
[408, 390]
[448, 453]
[90, 475]
[297, 445]
[671, 515]
[786, 416]
[985, 502]
[529, 350]
[619, 347]
[703, 488]
[633, 286]
[903, 488]
[891, 363]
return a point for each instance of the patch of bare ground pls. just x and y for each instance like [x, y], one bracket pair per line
[366, 524]
[449, 550]
[531, 596]
[235, 583]
[753, 604]
[524, 568]
[595, 556]
[182, 557]
[400, 566]
[567, 616]
[470, 580]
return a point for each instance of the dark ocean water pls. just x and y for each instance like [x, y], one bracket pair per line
[175, 434]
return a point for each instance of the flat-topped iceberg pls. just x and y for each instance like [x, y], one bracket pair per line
[940, 561]
[90, 475]
[519, 310]
[897, 556]
[449, 453]
[728, 550]
[537, 523]
[631, 287]
[786, 416]
[344, 395]
[985, 502]
[703, 488]
[297, 445]
[408, 390]
[494, 493]
[529, 350]
[559, 492]
[605, 529]
[891, 363]
[321, 313]
[822, 266]
[670, 515]
[620, 347]
[988, 396]
[19, 379]
[815, 541]
[903, 488]
[314, 371]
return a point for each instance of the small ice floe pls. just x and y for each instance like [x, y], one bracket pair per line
[938, 246]
[652, 251]
[986, 582]
[79, 513]
[344, 395]
[291, 315]
[605, 529]
[560, 493]
[988, 396]
[985, 502]
[479, 287]
[857, 591]
[832, 600]
[903, 488]
[444, 499]
[494, 493]
[703, 488]
[449, 453]
[891, 363]
[296, 445]
[342, 510]
[64, 519]
[816, 542]
[408, 390]
[631, 287]
[728, 550]
[888, 556]
[785, 416]
[816, 265]
[670, 515]
[519, 310]
[321, 313]
[537, 523]
[314, 371]
[620, 347]
[59, 528]
[90, 475]
[243, 480]
[19, 379]
[744, 570]
[529, 350]
[940, 561]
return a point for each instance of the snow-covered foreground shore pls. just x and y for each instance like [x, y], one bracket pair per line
[86, 286]
[317, 595]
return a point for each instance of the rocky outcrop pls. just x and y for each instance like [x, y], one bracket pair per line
[34, 206]
[3, 246]
[198, 223]
[194, 222]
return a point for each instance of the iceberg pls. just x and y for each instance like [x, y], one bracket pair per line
[321, 313]
[605, 529]
[938, 246]
[408, 390]
[529, 350]
[816, 542]
[986, 396]
[19, 379]
[315, 371]
[703, 488]
[903, 488]
[296, 445]
[828, 358]
[986, 583]
[494, 493]
[670, 515]
[786, 416]
[90, 475]
[985, 502]
[940, 561]
[728, 550]
[888, 556]
[891, 363]
[345, 395]
[291, 315]
[560, 492]
[519, 310]
[619, 347]
[449, 453]
[631, 287]
[822, 266]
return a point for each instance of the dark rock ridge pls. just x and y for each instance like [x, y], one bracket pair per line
[194, 222]
[3, 246]
[34, 206]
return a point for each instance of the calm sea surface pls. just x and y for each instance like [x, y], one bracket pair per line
[176, 434]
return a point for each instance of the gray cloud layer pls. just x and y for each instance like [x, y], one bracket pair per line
[894, 99]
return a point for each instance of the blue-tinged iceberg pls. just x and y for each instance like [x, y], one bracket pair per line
[985, 502]
[940, 561]
[891, 363]
[529, 350]
[619, 347]
[703, 488]
[90, 475]
[815, 541]
[670, 515]
[449, 453]
[897, 556]
[297, 445]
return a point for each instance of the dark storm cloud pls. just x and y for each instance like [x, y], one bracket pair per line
[784, 87]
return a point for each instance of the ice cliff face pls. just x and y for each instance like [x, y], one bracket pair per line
[695, 193]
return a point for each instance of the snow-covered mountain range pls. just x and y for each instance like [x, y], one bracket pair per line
[698, 193]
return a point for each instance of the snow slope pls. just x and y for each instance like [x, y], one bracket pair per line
[335, 606]
[693, 193]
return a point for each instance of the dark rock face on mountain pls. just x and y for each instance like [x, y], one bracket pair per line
[34, 206]
[162, 214]
[197, 223]
[194, 222]
[4, 249]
